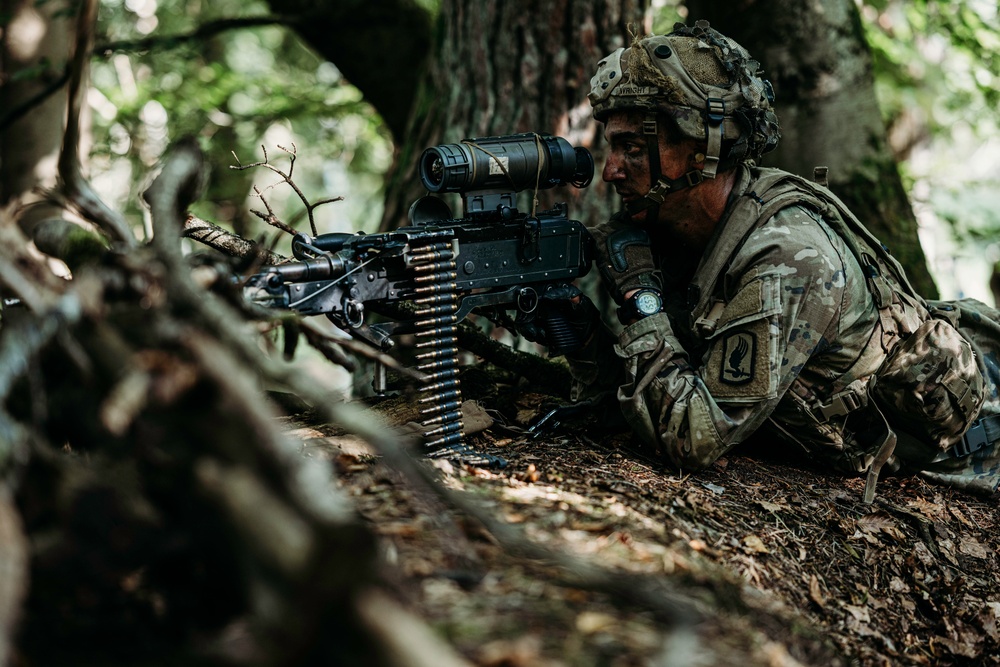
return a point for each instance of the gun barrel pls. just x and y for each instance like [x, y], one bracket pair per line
[306, 247]
[320, 268]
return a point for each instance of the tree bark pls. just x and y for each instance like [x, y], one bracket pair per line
[485, 68]
[506, 67]
[817, 57]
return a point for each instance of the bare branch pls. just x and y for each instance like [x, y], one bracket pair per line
[23, 109]
[298, 216]
[328, 200]
[270, 217]
[286, 178]
[169, 196]
[202, 32]
[292, 154]
[314, 335]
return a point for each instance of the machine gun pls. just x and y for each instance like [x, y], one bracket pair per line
[493, 259]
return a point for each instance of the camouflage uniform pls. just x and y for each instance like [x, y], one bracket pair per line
[795, 325]
[794, 318]
[980, 470]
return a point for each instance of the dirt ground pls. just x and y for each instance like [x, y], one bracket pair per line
[752, 562]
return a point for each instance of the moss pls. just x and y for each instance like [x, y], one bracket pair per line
[71, 243]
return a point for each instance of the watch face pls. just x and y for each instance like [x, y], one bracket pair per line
[647, 303]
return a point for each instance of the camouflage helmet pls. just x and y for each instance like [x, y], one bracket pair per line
[702, 79]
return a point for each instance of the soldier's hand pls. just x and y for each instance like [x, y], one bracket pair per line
[625, 259]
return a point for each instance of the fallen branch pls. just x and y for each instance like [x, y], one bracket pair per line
[226, 242]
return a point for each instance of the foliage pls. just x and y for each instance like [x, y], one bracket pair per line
[928, 46]
[971, 210]
[937, 66]
[665, 14]
[236, 91]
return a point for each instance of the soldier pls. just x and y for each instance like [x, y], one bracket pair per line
[753, 299]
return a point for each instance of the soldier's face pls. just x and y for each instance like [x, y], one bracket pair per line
[627, 166]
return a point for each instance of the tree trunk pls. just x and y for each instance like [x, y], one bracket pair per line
[380, 47]
[486, 68]
[506, 67]
[33, 52]
[816, 56]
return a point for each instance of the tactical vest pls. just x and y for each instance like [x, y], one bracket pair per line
[926, 382]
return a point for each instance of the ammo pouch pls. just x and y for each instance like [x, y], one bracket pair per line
[930, 386]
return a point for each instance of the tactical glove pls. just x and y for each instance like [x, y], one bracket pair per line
[563, 321]
[624, 259]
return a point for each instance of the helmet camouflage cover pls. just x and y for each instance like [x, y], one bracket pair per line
[702, 79]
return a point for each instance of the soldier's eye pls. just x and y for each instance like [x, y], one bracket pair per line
[632, 149]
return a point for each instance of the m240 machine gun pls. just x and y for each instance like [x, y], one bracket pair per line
[494, 257]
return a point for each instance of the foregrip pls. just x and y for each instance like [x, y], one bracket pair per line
[563, 335]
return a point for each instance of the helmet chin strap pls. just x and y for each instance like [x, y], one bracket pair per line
[662, 186]
[652, 136]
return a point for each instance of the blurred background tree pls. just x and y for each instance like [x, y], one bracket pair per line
[247, 82]
[937, 64]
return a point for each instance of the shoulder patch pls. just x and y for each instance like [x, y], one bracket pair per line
[739, 355]
[738, 363]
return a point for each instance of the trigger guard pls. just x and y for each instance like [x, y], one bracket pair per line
[354, 313]
[527, 300]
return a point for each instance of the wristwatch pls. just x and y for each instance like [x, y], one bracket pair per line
[643, 303]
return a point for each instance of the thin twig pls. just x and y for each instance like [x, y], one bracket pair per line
[286, 178]
[361, 349]
[204, 31]
[270, 217]
[298, 216]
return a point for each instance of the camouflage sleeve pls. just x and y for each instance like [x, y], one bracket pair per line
[789, 299]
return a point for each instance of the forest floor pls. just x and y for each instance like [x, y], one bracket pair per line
[758, 562]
